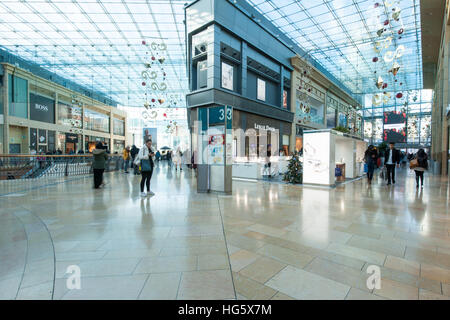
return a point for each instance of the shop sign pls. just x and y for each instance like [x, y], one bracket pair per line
[42, 109]
[73, 138]
[264, 127]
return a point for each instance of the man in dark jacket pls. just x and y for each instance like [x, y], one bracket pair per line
[391, 159]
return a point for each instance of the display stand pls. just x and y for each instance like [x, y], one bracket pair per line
[215, 143]
[324, 150]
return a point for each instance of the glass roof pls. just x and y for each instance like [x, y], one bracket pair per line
[345, 36]
[99, 43]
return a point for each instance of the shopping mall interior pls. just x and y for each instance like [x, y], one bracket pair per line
[224, 150]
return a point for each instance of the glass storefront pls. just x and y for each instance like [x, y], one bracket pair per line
[254, 134]
[69, 115]
[119, 127]
[96, 121]
[18, 97]
[118, 146]
[331, 117]
[91, 141]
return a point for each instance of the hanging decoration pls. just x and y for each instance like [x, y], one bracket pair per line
[384, 46]
[379, 82]
[154, 75]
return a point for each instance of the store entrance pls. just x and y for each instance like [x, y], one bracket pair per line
[70, 146]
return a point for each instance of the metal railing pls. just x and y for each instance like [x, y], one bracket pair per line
[14, 167]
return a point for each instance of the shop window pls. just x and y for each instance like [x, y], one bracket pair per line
[119, 127]
[18, 97]
[286, 104]
[200, 74]
[33, 139]
[69, 115]
[331, 117]
[96, 121]
[261, 89]
[342, 119]
[51, 141]
[247, 147]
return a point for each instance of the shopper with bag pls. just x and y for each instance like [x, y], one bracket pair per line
[419, 164]
[370, 157]
[392, 158]
[145, 159]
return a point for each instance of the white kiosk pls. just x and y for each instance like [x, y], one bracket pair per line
[324, 150]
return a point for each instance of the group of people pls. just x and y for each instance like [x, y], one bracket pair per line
[392, 159]
[142, 160]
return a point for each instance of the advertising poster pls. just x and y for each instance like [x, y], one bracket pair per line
[261, 90]
[394, 129]
[150, 133]
[216, 142]
[42, 109]
[227, 76]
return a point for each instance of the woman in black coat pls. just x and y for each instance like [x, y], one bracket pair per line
[422, 160]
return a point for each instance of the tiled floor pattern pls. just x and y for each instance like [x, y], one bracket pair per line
[266, 241]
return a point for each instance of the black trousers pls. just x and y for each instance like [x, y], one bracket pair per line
[145, 180]
[370, 169]
[391, 172]
[98, 177]
[419, 175]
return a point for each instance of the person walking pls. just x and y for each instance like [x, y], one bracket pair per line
[169, 158]
[99, 165]
[422, 165]
[126, 158]
[158, 155]
[177, 158]
[392, 159]
[370, 157]
[145, 159]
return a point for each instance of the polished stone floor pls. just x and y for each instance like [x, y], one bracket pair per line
[266, 241]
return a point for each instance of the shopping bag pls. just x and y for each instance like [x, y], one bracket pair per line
[146, 165]
[366, 167]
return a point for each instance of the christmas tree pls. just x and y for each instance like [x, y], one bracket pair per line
[294, 174]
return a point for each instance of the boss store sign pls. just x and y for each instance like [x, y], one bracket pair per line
[42, 109]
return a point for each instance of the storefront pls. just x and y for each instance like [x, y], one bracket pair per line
[91, 141]
[253, 135]
[69, 115]
[96, 121]
[119, 145]
[42, 140]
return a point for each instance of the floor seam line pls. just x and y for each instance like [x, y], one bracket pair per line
[142, 289]
[26, 258]
[53, 247]
[226, 246]
[179, 284]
